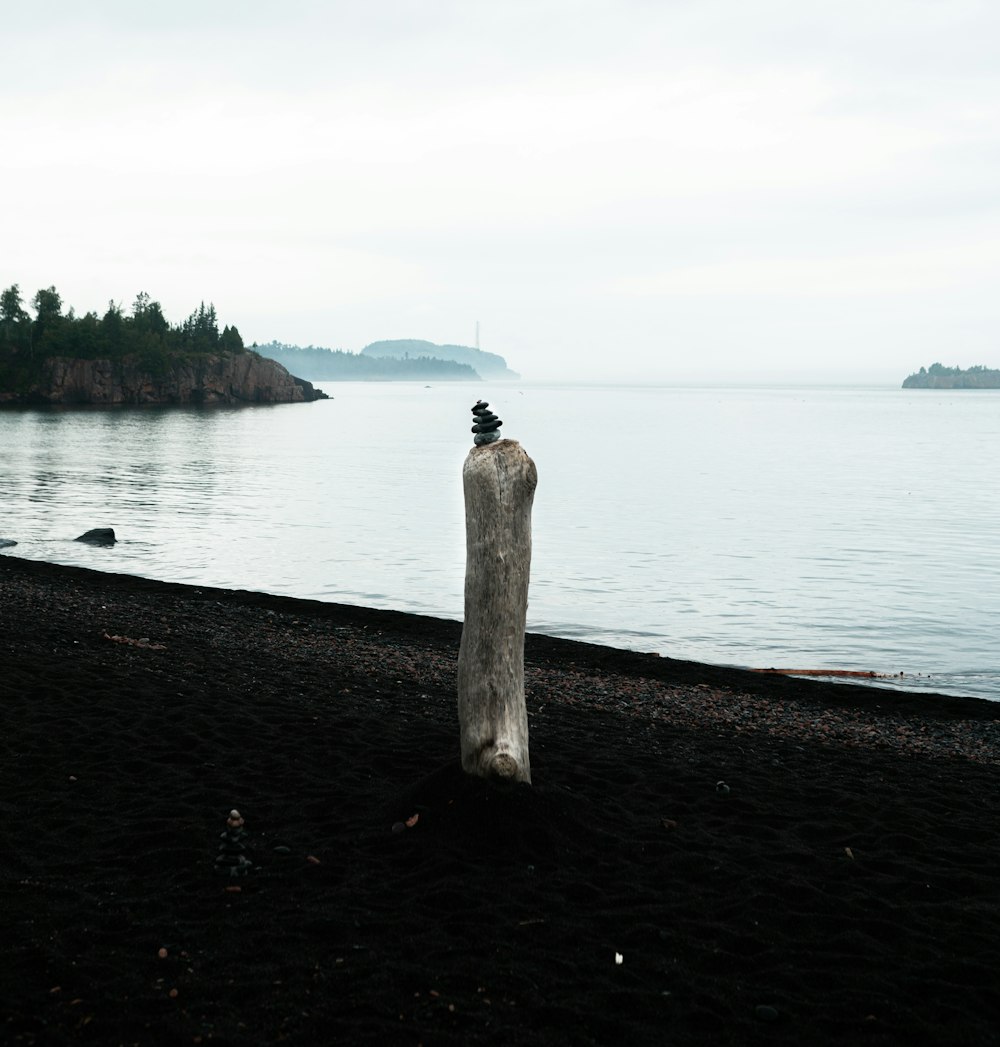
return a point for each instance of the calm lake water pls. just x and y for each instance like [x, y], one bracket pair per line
[837, 528]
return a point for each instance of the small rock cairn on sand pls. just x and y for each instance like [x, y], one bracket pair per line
[232, 857]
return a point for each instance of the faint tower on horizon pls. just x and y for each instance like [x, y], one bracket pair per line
[477, 334]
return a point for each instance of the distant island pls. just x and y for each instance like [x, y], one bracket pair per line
[939, 377]
[140, 358]
[406, 359]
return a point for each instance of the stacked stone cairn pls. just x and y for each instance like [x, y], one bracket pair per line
[486, 425]
[232, 858]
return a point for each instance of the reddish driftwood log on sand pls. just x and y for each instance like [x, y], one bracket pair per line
[499, 481]
[864, 673]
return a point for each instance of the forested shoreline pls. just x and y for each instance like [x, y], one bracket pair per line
[144, 333]
[58, 358]
[153, 344]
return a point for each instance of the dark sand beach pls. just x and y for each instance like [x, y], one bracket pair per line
[842, 886]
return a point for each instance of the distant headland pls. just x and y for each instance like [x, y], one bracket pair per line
[939, 377]
[118, 359]
[404, 359]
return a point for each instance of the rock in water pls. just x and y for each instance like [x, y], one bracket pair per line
[5, 543]
[98, 536]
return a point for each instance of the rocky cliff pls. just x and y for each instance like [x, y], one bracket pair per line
[224, 378]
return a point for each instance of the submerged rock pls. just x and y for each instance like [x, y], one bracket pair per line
[5, 543]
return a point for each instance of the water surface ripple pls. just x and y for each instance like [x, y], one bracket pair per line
[793, 528]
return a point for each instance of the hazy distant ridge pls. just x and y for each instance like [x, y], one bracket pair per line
[488, 365]
[338, 365]
[939, 377]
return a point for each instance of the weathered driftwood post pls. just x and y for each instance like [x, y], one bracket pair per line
[499, 481]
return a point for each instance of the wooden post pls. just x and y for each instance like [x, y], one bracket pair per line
[499, 481]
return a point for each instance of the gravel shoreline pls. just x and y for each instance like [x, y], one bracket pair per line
[343, 641]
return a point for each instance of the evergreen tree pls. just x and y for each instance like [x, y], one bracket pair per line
[230, 340]
[13, 318]
[48, 306]
[46, 330]
[84, 337]
[11, 310]
[148, 318]
[113, 334]
[201, 330]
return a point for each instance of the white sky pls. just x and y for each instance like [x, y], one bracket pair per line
[663, 188]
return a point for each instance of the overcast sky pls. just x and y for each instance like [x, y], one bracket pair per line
[672, 188]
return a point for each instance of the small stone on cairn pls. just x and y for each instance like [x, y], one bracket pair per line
[232, 851]
[487, 424]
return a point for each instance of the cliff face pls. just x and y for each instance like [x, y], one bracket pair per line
[226, 378]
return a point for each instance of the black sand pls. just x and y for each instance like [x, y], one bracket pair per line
[846, 887]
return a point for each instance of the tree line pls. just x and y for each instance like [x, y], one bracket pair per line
[937, 376]
[26, 340]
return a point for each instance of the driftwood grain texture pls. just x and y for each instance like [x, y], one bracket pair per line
[499, 481]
